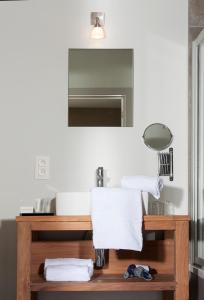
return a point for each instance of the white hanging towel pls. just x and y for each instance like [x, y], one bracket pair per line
[117, 218]
[67, 273]
[152, 185]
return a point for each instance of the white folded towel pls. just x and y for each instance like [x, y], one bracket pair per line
[67, 273]
[152, 185]
[70, 261]
[116, 218]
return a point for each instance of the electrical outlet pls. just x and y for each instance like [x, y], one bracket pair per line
[42, 167]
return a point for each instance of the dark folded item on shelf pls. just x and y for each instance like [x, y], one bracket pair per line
[37, 214]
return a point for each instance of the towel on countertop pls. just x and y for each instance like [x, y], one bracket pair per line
[70, 261]
[67, 273]
[116, 218]
[152, 185]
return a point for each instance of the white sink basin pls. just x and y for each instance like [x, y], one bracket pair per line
[73, 203]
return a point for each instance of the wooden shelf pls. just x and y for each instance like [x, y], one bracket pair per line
[107, 282]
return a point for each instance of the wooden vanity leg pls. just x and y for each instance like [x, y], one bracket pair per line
[23, 261]
[168, 235]
[182, 260]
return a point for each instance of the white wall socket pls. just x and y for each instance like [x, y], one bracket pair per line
[42, 167]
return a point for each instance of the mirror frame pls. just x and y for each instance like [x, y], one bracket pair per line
[122, 98]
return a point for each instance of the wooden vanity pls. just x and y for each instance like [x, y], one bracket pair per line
[167, 255]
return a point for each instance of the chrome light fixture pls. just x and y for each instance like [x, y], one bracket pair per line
[98, 21]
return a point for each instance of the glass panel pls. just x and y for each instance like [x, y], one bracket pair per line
[200, 204]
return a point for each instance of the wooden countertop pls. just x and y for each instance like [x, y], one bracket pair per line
[82, 218]
[151, 222]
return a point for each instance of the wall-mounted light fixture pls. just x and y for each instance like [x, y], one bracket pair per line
[98, 21]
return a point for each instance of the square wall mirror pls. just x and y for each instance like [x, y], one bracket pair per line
[100, 89]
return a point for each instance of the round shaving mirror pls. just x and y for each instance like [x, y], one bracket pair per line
[157, 136]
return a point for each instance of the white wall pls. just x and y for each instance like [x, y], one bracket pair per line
[35, 37]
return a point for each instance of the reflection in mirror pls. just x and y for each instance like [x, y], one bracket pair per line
[100, 87]
[157, 136]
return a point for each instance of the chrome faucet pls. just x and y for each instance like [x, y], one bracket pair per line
[100, 253]
[99, 177]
